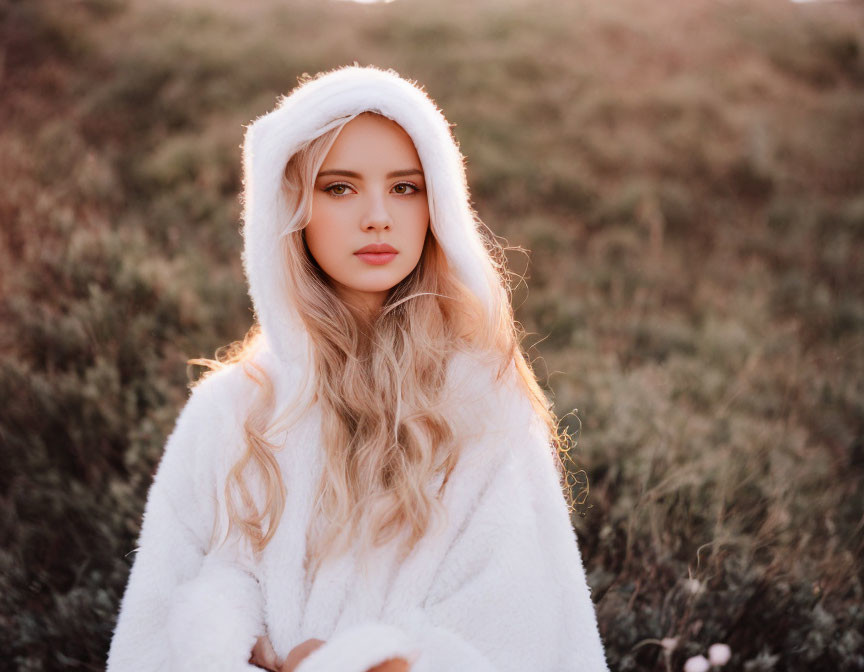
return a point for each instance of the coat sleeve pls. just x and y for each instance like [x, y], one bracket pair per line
[185, 608]
[510, 593]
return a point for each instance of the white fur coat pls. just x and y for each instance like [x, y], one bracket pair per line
[500, 587]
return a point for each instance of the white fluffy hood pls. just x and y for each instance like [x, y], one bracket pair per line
[312, 108]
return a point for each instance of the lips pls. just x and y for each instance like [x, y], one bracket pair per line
[376, 254]
[377, 248]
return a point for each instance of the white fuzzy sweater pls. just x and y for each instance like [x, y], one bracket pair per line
[500, 586]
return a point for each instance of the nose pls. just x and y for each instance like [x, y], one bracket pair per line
[377, 216]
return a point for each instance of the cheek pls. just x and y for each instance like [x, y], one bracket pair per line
[322, 235]
[419, 223]
[418, 216]
[320, 247]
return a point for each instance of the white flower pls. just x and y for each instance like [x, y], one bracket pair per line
[719, 654]
[697, 664]
[693, 586]
[669, 643]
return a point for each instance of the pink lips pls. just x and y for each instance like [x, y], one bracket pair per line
[376, 253]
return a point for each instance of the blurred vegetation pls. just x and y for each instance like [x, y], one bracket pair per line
[688, 178]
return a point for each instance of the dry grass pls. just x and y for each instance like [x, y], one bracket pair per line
[688, 177]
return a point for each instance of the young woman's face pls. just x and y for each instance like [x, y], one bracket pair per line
[370, 190]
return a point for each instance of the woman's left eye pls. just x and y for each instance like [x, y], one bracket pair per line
[407, 184]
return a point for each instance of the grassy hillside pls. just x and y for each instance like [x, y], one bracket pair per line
[686, 177]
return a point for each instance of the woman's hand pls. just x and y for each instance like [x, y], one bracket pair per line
[298, 653]
[392, 665]
[263, 655]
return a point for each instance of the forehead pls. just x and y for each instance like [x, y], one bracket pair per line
[372, 140]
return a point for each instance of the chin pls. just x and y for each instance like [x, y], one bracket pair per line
[381, 283]
[381, 287]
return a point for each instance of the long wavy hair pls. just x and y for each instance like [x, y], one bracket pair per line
[379, 381]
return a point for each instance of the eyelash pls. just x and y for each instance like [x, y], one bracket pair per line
[329, 188]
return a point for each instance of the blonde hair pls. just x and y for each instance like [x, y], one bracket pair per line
[379, 381]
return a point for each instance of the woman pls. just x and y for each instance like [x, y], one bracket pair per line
[370, 481]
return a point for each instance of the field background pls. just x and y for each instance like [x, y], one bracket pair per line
[687, 178]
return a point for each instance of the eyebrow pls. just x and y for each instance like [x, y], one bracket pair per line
[351, 173]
